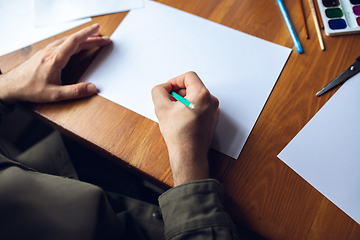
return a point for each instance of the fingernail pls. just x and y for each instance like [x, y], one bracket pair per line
[105, 37]
[91, 88]
[95, 25]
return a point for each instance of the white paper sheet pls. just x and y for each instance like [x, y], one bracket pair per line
[58, 11]
[157, 43]
[17, 29]
[326, 152]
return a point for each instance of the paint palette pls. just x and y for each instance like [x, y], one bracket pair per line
[340, 16]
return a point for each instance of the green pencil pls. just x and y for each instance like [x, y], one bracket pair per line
[182, 100]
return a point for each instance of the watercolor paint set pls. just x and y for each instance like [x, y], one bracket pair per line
[340, 16]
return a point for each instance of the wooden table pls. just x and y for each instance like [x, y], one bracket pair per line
[261, 192]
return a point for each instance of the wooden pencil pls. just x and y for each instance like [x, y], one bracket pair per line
[318, 14]
[317, 27]
[303, 17]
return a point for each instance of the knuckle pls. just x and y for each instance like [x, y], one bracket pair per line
[155, 90]
[204, 94]
[46, 55]
[77, 91]
[192, 73]
[51, 57]
[56, 58]
[216, 101]
[72, 38]
[55, 96]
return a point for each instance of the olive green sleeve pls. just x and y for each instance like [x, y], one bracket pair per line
[5, 109]
[194, 211]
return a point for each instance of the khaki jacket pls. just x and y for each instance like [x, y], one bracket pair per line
[36, 205]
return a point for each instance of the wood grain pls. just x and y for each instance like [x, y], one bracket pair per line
[268, 196]
[261, 192]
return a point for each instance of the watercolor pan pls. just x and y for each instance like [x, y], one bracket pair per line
[340, 16]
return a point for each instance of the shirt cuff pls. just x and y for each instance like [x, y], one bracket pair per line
[194, 206]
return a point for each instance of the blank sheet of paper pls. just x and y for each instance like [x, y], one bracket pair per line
[158, 42]
[58, 11]
[17, 28]
[326, 152]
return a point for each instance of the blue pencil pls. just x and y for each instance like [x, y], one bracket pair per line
[290, 27]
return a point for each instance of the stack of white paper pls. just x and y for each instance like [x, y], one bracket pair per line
[25, 22]
[58, 11]
[17, 28]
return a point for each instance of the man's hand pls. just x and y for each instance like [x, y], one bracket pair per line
[39, 78]
[187, 132]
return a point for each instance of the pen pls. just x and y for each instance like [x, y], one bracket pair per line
[182, 100]
[290, 27]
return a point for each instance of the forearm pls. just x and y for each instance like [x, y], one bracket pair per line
[7, 89]
[194, 211]
[4, 88]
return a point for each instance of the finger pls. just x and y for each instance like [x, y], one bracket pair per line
[94, 42]
[185, 80]
[190, 86]
[56, 42]
[181, 92]
[78, 90]
[161, 95]
[71, 44]
[61, 40]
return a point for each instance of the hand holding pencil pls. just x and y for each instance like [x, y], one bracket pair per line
[187, 132]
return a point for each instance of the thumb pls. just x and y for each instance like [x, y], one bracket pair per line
[78, 90]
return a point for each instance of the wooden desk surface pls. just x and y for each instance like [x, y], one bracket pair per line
[261, 192]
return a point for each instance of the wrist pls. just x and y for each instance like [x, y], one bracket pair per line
[5, 91]
[5, 106]
[187, 167]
